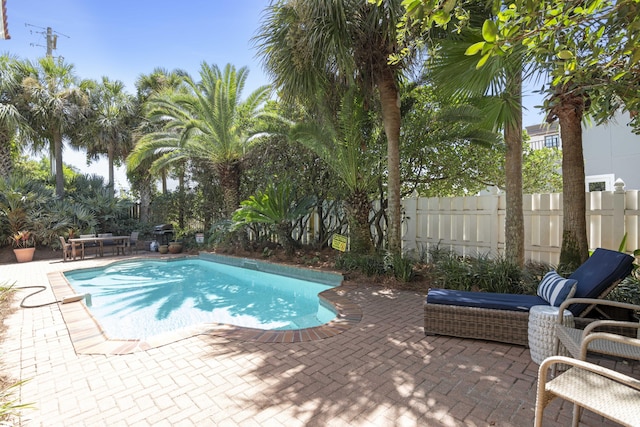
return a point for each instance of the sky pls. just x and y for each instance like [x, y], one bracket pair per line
[122, 39]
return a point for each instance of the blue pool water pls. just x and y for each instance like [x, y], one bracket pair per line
[142, 298]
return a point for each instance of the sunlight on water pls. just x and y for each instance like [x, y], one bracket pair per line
[140, 299]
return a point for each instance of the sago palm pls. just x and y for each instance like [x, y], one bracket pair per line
[277, 206]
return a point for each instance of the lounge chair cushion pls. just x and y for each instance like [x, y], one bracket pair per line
[555, 289]
[596, 275]
[513, 302]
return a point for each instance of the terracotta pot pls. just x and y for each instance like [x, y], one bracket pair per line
[24, 254]
[163, 249]
[175, 247]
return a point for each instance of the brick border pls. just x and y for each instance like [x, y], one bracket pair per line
[88, 337]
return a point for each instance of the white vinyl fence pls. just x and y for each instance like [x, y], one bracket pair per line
[475, 225]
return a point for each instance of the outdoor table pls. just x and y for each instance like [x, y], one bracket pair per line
[542, 330]
[100, 241]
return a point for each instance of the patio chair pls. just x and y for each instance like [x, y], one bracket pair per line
[67, 249]
[604, 391]
[133, 241]
[107, 244]
[608, 337]
[505, 317]
[90, 245]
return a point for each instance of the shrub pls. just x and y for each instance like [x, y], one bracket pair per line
[369, 264]
[481, 273]
[401, 267]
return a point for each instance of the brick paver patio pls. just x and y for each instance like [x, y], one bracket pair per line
[382, 371]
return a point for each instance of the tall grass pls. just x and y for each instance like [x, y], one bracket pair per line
[10, 407]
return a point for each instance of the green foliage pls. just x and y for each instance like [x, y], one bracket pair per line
[22, 203]
[482, 273]
[275, 205]
[278, 207]
[445, 150]
[10, 408]
[377, 264]
[628, 290]
[541, 170]
[368, 264]
[400, 266]
[220, 233]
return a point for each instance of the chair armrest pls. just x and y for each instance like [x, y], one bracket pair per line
[587, 338]
[619, 323]
[588, 366]
[594, 301]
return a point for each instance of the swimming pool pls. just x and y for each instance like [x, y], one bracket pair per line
[138, 299]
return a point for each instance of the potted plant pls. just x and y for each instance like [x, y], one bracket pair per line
[175, 246]
[24, 245]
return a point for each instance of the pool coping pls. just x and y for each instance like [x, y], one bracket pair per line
[88, 337]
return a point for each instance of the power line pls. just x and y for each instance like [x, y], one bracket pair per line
[50, 36]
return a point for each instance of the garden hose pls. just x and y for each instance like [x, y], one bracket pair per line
[65, 300]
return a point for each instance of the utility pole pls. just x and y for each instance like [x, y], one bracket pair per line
[52, 41]
[50, 36]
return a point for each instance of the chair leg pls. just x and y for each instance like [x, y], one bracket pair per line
[577, 412]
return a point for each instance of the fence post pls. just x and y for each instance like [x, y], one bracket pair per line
[619, 225]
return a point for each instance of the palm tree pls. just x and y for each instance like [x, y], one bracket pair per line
[312, 47]
[340, 142]
[208, 122]
[109, 126]
[12, 120]
[148, 85]
[497, 87]
[56, 105]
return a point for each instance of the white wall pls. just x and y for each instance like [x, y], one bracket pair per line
[613, 149]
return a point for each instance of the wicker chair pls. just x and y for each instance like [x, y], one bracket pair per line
[608, 393]
[505, 317]
[600, 336]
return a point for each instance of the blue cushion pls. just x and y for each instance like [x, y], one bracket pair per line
[554, 288]
[597, 273]
[497, 301]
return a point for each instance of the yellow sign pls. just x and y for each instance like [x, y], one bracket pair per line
[339, 242]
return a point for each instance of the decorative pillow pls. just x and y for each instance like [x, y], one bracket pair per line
[555, 289]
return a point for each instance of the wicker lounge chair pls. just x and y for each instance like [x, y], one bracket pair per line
[505, 317]
[606, 392]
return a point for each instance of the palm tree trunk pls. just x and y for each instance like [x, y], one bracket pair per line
[110, 156]
[57, 153]
[229, 173]
[6, 162]
[390, 104]
[145, 199]
[514, 223]
[575, 246]
[358, 210]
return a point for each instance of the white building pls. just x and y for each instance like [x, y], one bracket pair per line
[544, 135]
[611, 151]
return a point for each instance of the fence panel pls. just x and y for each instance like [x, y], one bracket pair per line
[475, 224]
